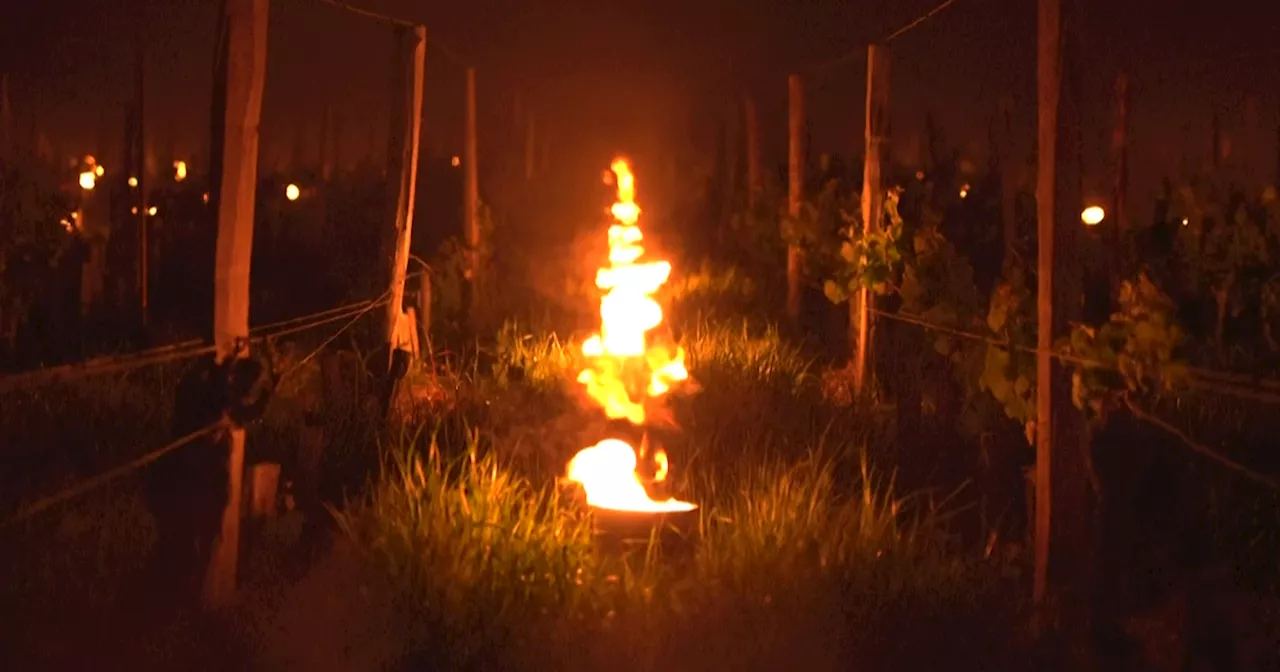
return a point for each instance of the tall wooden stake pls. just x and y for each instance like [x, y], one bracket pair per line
[517, 112]
[795, 194]
[241, 72]
[1049, 45]
[1119, 183]
[95, 222]
[424, 310]
[530, 145]
[1010, 163]
[326, 144]
[877, 132]
[471, 199]
[1215, 131]
[6, 119]
[544, 150]
[1064, 504]
[755, 178]
[403, 167]
[144, 245]
[732, 145]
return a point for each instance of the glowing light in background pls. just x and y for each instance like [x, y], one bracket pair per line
[179, 171]
[88, 180]
[964, 191]
[152, 211]
[205, 197]
[134, 210]
[1093, 215]
[455, 161]
[292, 192]
[133, 182]
[98, 170]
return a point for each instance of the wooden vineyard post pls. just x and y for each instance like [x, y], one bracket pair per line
[424, 309]
[755, 178]
[471, 201]
[94, 221]
[403, 169]
[530, 145]
[144, 245]
[732, 140]
[1010, 163]
[6, 119]
[544, 150]
[241, 72]
[877, 132]
[1047, 97]
[1063, 501]
[1215, 132]
[795, 194]
[1119, 184]
[326, 144]
[517, 115]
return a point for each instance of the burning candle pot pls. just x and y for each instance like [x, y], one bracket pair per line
[624, 372]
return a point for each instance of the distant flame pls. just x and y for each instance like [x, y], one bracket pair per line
[623, 370]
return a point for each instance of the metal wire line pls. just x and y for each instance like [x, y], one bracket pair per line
[46, 503]
[179, 351]
[432, 39]
[861, 51]
[1218, 386]
[55, 499]
[1265, 391]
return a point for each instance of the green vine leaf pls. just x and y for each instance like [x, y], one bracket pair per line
[865, 259]
[1132, 352]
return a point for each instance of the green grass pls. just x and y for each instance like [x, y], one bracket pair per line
[495, 566]
[801, 546]
[803, 553]
[477, 550]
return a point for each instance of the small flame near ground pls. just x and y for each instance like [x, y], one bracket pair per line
[623, 370]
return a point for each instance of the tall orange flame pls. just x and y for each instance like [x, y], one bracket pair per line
[623, 370]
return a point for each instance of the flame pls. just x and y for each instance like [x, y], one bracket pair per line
[607, 471]
[620, 354]
[623, 370]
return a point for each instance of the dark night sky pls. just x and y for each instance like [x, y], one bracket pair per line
[645, 77]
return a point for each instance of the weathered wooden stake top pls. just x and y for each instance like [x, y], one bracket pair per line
[795, 194]
[877, 135]
[1063, 501]
[402, 169]
[241, 72]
